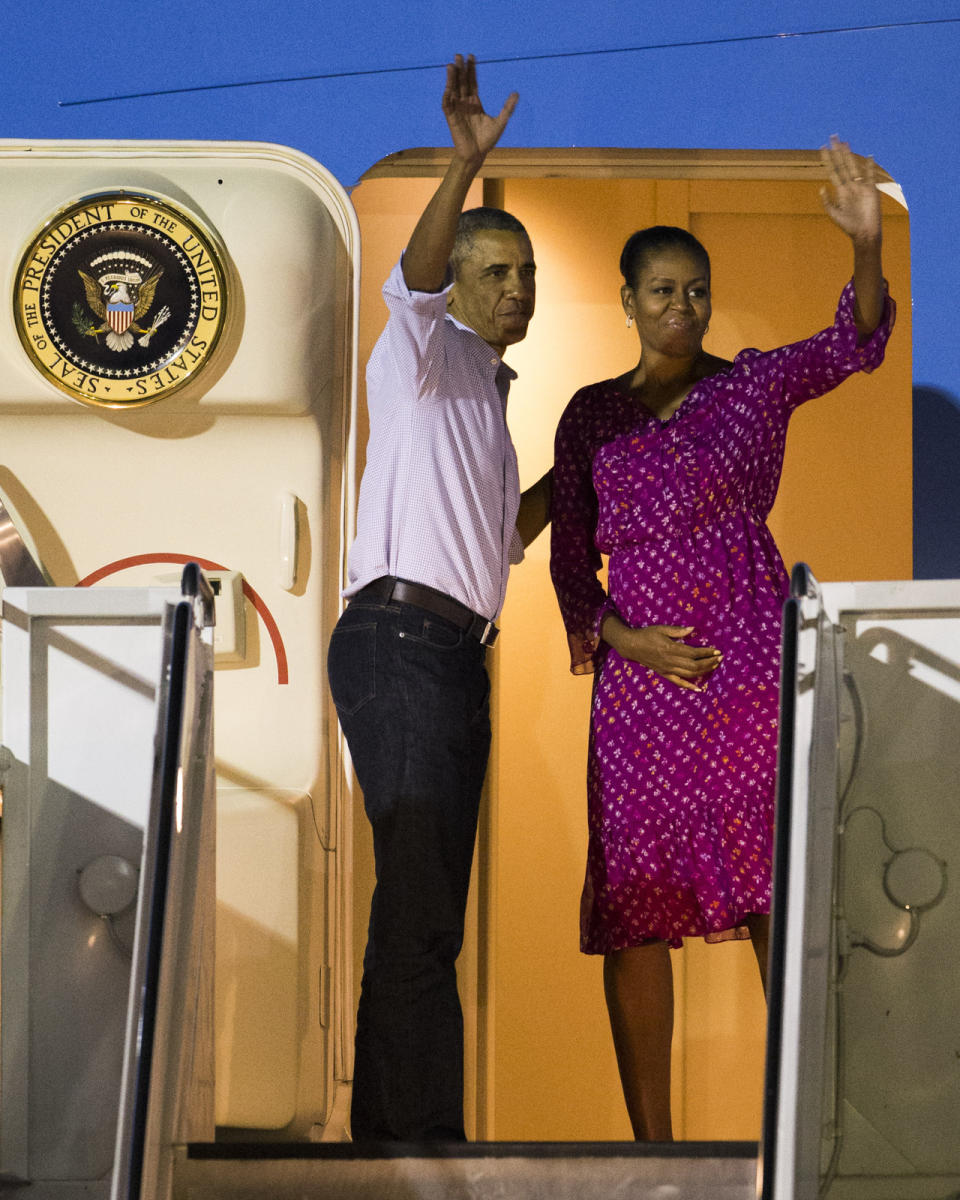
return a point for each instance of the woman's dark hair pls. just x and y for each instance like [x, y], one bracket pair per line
[645, 243]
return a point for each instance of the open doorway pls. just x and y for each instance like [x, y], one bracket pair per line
[540, 1064]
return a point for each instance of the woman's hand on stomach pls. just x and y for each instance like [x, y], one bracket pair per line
[661, 648]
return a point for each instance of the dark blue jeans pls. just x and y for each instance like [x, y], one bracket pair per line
[412, 695]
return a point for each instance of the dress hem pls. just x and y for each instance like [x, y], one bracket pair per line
[738, 932]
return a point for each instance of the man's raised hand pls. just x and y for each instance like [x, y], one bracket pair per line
[474, 132]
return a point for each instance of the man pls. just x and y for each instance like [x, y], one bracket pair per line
[440, 520]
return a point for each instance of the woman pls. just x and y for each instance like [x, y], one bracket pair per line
[672, 469]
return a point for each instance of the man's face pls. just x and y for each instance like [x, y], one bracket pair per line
[495, 289]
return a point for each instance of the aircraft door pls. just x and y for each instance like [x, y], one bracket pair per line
[179, 358]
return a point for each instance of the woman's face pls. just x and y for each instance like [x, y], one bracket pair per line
[670, 302]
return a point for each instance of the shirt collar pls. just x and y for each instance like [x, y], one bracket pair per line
[484, 355]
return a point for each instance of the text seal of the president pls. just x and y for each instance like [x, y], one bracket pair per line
[120, 299]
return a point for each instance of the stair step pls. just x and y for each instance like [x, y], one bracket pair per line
[476, 1171]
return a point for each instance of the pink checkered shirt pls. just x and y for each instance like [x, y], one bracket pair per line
[440, 493]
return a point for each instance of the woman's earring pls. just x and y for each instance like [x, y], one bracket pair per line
[629, 321]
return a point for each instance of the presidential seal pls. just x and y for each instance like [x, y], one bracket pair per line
[120, 299]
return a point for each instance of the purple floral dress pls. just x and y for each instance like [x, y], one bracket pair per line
[681, 783]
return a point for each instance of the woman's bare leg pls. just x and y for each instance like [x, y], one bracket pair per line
[759, 926]
[638, 984]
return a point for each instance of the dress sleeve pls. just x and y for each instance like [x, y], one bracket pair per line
[806, 369]
[574, 557]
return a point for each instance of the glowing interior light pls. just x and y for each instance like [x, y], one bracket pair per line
[179, 802]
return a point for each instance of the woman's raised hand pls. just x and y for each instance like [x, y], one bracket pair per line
[474, 132]
[661, 648]
[852, 200]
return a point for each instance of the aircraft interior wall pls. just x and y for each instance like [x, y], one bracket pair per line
[540, 1062]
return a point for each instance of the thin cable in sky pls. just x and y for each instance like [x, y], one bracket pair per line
[514, 58]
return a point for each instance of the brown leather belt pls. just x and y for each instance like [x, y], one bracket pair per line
[388, 588]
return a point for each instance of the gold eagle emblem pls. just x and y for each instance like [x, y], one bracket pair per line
[120, 297]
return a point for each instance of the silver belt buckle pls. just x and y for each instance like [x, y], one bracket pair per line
[489, 635]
